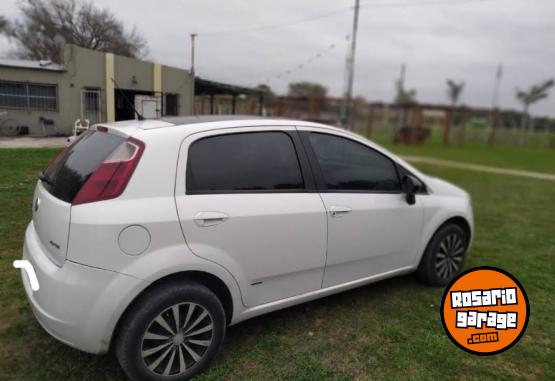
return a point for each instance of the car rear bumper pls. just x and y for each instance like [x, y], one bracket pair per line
[77, 304]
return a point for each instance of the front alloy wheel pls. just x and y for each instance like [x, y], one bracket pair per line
[449, 257]
[444, 256]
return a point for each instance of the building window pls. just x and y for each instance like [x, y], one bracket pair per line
[90, 105]
[171, 104]
[28, 96]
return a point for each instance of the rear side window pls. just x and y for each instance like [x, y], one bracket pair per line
[350, 166]
[258, 161]
[69, 171]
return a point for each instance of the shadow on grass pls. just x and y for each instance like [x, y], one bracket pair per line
[41, 357]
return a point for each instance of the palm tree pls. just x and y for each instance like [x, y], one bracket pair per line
[454, 91]
[534, 94]
[403, 96]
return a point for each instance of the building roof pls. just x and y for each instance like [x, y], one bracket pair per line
[207, 87]
[28, 64]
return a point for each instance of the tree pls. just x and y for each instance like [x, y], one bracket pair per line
[403, 96]
[267, 92]
[3, 24]
[528, 97]
[44, 24]
[264, 88]
[454, 91]
[307, 89]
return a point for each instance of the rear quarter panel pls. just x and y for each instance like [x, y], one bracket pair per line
[148, 201]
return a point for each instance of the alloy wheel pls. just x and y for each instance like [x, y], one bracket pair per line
[449, 256]
[177, 339]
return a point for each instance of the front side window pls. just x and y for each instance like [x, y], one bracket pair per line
[258, 161]
[350, 166]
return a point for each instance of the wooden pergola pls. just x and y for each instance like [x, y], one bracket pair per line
[417, 110]
[204, 87]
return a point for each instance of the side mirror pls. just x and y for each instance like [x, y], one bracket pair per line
[410, 187]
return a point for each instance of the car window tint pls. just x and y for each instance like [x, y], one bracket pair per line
[72, 168]
[259, 161]
[348, 165]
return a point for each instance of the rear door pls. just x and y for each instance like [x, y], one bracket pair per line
[61, 182]
[246, 201]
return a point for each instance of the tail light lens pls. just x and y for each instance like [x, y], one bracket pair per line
[111, 177]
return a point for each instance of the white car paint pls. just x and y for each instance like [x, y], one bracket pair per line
[270, 250]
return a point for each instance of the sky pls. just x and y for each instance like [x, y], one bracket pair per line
[247, 42]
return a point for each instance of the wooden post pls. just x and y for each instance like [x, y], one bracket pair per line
[447, 125]
[411, 119]
[551, 136]
[201, 104]
[312, 106]
[279, 107]
[211, 104]
[493, 116]
[234, 104]
[370, 121]
[353, 115]
[261, 104]
[464, 124]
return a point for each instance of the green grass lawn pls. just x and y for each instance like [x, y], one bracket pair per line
[388, 330]
[539, 159]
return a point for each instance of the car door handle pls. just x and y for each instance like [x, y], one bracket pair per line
[204, 219]
[338, 211]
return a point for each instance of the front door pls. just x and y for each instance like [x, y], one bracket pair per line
[246, 207]
[371, 227]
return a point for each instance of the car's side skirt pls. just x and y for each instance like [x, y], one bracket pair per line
[306, 297]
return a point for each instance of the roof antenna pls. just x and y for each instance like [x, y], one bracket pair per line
[139, 116]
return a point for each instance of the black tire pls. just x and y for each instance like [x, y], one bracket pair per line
[139, 333]
[444, 257]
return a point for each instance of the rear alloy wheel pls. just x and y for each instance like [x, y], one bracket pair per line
[171, 333]
[444, 257]
[176, 339]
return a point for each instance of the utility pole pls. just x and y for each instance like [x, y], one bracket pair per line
[193, 35]
[496, 86]
[494, 114]
[402, 77]
[350, 71]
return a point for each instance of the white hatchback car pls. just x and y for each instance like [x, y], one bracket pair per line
[151, 237]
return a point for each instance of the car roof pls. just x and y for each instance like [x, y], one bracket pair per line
[194, 119]
[195, 124]
[205, 122]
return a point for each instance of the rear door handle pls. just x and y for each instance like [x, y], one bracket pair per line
[338, 211]
[204, 219]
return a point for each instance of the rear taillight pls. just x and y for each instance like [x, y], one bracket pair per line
[111, 177]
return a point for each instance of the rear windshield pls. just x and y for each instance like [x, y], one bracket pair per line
[67, 174]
